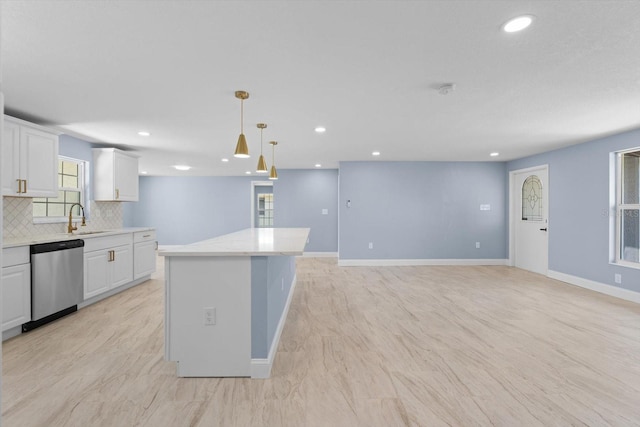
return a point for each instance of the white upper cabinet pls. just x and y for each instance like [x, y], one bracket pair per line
[115, 175]
[29, 160]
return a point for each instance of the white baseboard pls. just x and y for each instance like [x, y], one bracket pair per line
[613, 291]
[261, 368]
[320, 254]
[410, 262]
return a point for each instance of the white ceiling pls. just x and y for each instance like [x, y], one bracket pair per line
[366, 70]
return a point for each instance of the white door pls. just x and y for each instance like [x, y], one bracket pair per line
[530, 196]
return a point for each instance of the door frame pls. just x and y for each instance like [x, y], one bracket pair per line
[512, 211]
[255, 184]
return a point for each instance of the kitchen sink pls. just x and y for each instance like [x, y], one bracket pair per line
[84, 233]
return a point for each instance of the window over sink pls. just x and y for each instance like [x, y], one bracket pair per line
[72, 176]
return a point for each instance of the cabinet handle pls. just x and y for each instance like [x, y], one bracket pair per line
[19, 185]
[25, 186]
[112, 256]
[146, 235]
[117, 193]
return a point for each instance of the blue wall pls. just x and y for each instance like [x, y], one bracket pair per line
[75, 148]
[189, 209]
[271, 279]
[300, 196]
[422, 210]
[579, 208]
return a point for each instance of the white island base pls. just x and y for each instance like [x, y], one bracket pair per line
[226, 301]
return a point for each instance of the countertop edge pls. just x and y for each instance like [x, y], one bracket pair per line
[49, 238]
[228, 253]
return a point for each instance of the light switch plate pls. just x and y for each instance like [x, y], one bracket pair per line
[325, 211]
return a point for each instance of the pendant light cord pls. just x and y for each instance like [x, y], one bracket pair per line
[242, 116]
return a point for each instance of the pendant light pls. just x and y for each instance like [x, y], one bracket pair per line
[262, 165]
[242, 151]
[274, 173]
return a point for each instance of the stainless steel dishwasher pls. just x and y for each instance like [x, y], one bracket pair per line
[56, 281]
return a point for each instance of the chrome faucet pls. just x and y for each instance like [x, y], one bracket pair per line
[71, 227]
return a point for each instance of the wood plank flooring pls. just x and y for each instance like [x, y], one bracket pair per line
[362, 346]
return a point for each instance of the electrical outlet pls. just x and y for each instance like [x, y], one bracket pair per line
[282, 285]
[618, 278]
[209, 316]
[370, 245]
[477, 245]
[325, 211]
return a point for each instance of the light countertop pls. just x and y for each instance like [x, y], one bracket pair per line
[47, 238]
[248, 242]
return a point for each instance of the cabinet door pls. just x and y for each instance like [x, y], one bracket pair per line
[144, 259]
[16, 295]
[39, 162]
[10, 158]
[96, 273]
[121, 266]
[126, 177]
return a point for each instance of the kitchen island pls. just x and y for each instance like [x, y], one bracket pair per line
[226, 301]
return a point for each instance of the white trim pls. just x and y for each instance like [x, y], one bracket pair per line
[602, 288]
[261, 368]
[320, 255]
[410, 262]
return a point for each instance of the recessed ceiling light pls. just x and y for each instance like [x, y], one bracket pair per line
[182, 167]
[320, 129]
[248, 172]
[518, 23]
[143, 172]
[375, 153]
[225, 160]
[144, 133]
[318, 165]
[494, 154]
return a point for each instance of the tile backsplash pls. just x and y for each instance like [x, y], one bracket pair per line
[18, 218]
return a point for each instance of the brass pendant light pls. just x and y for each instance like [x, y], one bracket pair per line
[262, 165]
[242, 151]
[274, 173]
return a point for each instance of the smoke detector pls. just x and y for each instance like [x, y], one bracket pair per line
[446, 89]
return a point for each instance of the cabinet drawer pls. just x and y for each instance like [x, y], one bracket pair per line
[144, 236]
[98, 243]
[15, 256]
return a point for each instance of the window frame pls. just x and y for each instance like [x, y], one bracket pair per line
[619, 207]
[83, 178]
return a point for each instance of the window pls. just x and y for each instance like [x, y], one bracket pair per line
[532, 199]
[628, 207]
[71, 185]
[265, 210]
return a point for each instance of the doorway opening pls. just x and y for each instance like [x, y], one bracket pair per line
[262, 204]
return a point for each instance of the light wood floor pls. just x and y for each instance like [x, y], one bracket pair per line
[393, 346]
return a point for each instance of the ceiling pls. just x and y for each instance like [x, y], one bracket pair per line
[368, 71]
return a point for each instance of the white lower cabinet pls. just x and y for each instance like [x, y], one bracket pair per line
[144, 253]
[108, 263]
[16, 287]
